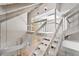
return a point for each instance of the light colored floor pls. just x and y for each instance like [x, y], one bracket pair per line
[28, 51]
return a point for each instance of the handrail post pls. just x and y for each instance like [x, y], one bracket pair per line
[55, 19]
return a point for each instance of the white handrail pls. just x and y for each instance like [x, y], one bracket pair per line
[13, 13]
[39, 21]
[72, 12]
[54, 35]
[40, 28]
[19, 9]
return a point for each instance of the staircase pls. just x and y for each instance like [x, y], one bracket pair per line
[49, 46]
[41, 48]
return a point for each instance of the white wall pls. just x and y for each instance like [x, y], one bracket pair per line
[15, 29]
[41, 9]
[71, 45]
